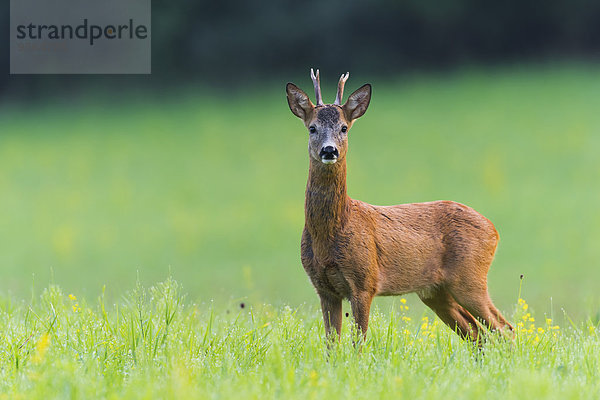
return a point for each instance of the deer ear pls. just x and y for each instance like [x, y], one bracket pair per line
[357, 103]
[298, 101]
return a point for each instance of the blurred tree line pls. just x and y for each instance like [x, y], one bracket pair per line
[226, 42]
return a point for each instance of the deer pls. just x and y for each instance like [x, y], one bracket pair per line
[352, 250]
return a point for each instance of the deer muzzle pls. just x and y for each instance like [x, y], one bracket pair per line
[329, 154]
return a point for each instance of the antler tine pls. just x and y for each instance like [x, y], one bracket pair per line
[340, 91]
[317, 84]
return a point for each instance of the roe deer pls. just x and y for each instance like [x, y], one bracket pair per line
[352, 250]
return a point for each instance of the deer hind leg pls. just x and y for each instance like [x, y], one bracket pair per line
[452, 314]
[503, 322]
[475, 299]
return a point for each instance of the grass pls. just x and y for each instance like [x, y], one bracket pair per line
[156, 344]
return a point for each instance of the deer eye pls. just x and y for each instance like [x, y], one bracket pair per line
[344, 128]
[312, 129]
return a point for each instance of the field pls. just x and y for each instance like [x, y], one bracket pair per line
[104, 194]
[155, 344]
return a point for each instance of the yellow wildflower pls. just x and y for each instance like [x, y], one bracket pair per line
[40, 348]
[314, 378]
[72, 298]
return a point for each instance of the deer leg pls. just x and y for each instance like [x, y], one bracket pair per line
[361, 306]
[476, 300]
[332, 315]
[503, 322]
[452, 314]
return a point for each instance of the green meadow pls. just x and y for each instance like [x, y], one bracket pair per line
[154, 344]
[104, 195]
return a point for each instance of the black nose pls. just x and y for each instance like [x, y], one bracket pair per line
[329, 153]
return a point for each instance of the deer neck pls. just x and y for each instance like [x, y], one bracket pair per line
[327, 204]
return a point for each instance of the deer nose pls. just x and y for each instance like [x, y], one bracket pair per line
[329, 153]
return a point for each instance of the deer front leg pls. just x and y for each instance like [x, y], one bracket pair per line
[332, 315]
[361, 306]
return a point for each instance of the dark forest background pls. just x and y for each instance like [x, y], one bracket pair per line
[225, 43]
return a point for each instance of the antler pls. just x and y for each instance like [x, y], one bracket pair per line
[317, 84]
[340, 90]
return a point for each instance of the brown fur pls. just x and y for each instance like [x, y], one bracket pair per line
[352, 250]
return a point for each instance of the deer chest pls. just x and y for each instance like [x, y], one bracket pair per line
[325, 268]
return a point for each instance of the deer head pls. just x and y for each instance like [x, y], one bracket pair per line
[328, 124]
